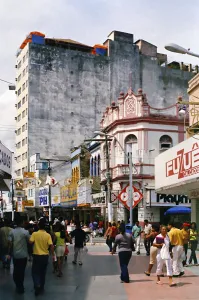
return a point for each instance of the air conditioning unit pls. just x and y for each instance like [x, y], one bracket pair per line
[15, 66]
[15, 118]
[15, 79]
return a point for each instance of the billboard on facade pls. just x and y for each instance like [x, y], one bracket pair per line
[68, 195]
[84, 191]
[43, 196]
[177, 169]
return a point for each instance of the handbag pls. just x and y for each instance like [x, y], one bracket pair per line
[164, 253]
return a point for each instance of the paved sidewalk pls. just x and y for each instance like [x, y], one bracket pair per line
[98, 279]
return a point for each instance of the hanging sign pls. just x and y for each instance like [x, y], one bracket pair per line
[125, 200]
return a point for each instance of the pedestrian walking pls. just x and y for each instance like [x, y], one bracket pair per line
[162, 243]
[147, 241]
[107, 237]
[193, 243]
[4, 234]
[125, 243]
[176, 239]
[153, 250]
[186, 237]
[136, 231]
[42, 242]
[18, 244]
[80, 237]
[59, 242]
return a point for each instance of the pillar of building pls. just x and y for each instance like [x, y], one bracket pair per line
[195, 210]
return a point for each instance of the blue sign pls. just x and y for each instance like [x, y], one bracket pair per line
[43, 197]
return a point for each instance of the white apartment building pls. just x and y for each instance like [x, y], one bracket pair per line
[143, 131]
[22, 77]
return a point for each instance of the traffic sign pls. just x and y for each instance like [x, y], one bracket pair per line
[124, 197]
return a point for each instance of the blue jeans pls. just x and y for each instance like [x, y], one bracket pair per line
[124, 258]
[39, 267]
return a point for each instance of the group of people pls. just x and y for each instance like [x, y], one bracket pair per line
[44, 239]
[166, 245]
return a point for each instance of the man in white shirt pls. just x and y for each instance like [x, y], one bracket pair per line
[147, 231]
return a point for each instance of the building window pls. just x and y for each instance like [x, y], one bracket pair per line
[131, 147]
[23, 114]
[26, 83]
[23, 128]
[26, 141]
[91, 166]
[27, 54]
[30, 192]
[23, 142]
[26, 69]
[19, 65]
[19, 118]
[18, 172]
[19, 92]
[98, 165]
[26, 98]
[165, 143]
[18, 145]
[23, 100]
[19, 78]
[19, 131]
[24, 58]
[18, 158]
[24, 155]
[24, 72]
[23, 170]
[26, 111]
[19, 104]
[26, 126]
[23, 87]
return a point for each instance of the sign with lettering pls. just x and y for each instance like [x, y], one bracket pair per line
[5, 159]
[99, 199]
[43, 197]
[180, 164]
[155, 199]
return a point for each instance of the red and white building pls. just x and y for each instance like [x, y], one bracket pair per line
[145, 132]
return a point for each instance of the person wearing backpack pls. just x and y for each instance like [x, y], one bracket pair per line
[59, 241]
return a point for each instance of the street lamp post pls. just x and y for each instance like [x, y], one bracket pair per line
[178, 49]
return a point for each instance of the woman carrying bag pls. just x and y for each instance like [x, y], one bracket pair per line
[164, 255]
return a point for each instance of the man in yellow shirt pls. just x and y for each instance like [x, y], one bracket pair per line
[176, 240]
[42, 242]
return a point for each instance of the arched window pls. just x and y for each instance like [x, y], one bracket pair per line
[94, 167]
[165, 143]
[98, 166]
[91, 166]
[131, 147]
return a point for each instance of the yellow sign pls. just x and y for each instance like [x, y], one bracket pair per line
[69, 192]
[29, 174]
[28, 203]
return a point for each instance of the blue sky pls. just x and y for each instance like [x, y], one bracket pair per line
[90, 21]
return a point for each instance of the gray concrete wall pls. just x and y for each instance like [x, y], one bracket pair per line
[69, 91]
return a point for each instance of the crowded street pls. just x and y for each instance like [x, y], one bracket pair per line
[98, 279]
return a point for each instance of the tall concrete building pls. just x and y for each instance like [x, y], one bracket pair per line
[63, 86]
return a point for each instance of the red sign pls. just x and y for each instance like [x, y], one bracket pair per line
[124, 197]
[185, 163]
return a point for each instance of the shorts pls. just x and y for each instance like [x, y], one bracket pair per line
[60, 250]
[153, 254]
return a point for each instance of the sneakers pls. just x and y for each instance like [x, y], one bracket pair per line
[74, 262]
[80, 263]
[181, 274]
[138, 253]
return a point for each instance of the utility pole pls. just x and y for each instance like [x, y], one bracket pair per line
[108, 177]
[49, 193]
[131, 187]
[12, 198]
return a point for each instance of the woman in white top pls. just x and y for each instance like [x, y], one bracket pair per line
[162, 242]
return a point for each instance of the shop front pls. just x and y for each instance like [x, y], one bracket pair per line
[177, 173]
